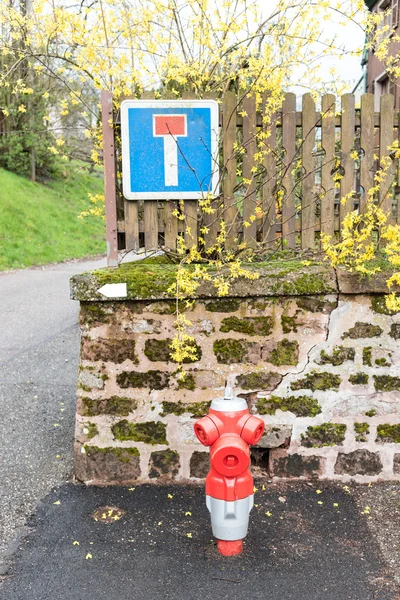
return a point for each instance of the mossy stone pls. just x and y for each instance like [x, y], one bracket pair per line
[115, 405]
[297, 465]
[258, 381]
[199, 464]
[382, 362]
[315, 305]
[150, 432]
[223, 305]
[155, 380]
[196, 409]
[301, 406]
[386, 383]
[187, 383]
[327, 434]
[339, 355]
[378, 305]
[305, 284]
[361, 431]
[285, 353]
[160, 350]
[142, 280]
[90, 430]
[363, 330]
[359, 378]
[229, 351]
[387, 433]
[164, 462]
[395, 331]
[289, 324]
[248, 325]
[122, 454]
[359, 462]
[93, 313]
[108, 350]
[317, 381]
[370, 413]
[367, 356]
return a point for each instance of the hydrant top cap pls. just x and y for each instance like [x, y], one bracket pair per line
[234, 404]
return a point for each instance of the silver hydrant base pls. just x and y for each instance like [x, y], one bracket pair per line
[230, 520]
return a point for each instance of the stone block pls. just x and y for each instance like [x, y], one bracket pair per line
[150, 432]
[107, 465]
[108, 350]
[230, 351]
[326, 434]
[396, 464]
[199, 464]
[160, 350]
[259, 380]
[284, 353]
[395, 331]
[164, 464]
[275, 436]
[142, 326]
[91, 379]
[317, 380]
[248, 325]
[201, 326]
[359, 462]
[155, 380]
[209, 379]
[115, 405]
[301, 406]
[282, 464]
[363, 330]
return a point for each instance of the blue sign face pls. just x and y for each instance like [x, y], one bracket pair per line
[169, 149]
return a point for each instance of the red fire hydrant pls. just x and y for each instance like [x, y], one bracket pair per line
[229, 429]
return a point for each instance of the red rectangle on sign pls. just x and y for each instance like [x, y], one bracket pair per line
[169, 125]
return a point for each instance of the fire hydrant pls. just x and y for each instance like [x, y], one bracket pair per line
[229, 429]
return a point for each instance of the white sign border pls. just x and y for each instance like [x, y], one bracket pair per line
[126, 167]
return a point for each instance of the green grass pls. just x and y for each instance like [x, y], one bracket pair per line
[39, 222]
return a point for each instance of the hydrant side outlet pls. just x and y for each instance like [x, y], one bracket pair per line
[229, 429]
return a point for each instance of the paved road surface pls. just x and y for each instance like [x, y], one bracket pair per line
[38, 367]
[305, 548]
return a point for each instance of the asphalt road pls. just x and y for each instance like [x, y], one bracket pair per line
[302, 545]
[39, 339]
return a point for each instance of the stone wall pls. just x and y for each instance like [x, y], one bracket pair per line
[322, 371]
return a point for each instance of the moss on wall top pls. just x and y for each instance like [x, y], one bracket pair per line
[152, 280]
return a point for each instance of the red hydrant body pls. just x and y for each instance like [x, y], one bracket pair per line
[229, 429]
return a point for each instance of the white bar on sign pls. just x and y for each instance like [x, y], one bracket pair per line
[170, 161]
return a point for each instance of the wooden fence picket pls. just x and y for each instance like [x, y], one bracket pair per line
[229, 166]
[249, 166]
[269, 183]
[367, 147]
[308, 174]
[289, 147]
[385, 143]
[328, 106]
[347, 134]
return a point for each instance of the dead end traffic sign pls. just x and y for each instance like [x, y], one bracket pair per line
[169, 149]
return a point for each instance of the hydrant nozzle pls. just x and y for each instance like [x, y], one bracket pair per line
[229, 429]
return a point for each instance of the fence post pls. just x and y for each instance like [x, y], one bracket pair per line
[110, 197]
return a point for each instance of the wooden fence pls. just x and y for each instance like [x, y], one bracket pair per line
[316, 159]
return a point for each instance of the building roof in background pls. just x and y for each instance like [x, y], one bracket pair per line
[370, 3]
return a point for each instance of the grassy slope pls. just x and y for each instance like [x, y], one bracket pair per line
[39, 223]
